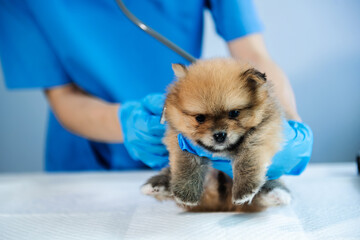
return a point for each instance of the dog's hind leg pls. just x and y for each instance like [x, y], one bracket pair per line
[158, 186]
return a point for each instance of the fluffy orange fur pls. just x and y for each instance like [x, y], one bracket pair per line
[217, 90]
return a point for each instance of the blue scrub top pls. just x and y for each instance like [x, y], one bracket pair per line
[44, 44]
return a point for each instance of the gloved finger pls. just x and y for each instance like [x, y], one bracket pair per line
[296, 151]
[274, 173]
[155, 127]
[149, 123]
[154, 103]
[151, 160]
[152, 139]
[157, 162]
[156, 149]
[140, 151]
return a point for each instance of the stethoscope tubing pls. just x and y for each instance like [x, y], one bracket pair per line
[154, 34]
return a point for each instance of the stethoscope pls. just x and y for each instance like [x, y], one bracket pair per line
[154, 34]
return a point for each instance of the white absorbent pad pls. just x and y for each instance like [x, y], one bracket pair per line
[106, 206]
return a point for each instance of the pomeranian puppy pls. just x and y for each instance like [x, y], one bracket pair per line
[227, 108]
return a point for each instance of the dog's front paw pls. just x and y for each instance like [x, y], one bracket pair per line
[186, 197]
[185, 202]
[243, 196]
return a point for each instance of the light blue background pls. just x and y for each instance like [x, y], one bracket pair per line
[317, 44]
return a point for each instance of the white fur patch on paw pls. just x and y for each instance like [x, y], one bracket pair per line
[247, 198]
[191, 204]
[147, 189]
[275, 197]
[158, 191]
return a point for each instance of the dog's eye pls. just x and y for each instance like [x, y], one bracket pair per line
[200, 118]
[234, 114]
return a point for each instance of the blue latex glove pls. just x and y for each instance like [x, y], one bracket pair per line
[140, 121]
[291, 160]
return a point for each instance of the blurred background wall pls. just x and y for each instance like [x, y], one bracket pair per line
[317, 44]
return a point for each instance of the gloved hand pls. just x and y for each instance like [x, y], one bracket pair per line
[142, 131]
[291, 160]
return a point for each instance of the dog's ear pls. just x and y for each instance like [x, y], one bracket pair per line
[254, 77]
[179, 69]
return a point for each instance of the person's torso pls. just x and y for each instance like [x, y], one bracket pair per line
[105, 54]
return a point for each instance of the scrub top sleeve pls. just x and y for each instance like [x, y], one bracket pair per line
[234, 18]
[27, 59]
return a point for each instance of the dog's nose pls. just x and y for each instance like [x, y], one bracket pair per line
[220, 137]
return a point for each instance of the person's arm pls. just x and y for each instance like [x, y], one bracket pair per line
[252, 48]
[85, 115]
[135, 123]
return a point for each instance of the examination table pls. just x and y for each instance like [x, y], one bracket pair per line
[108, 205]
